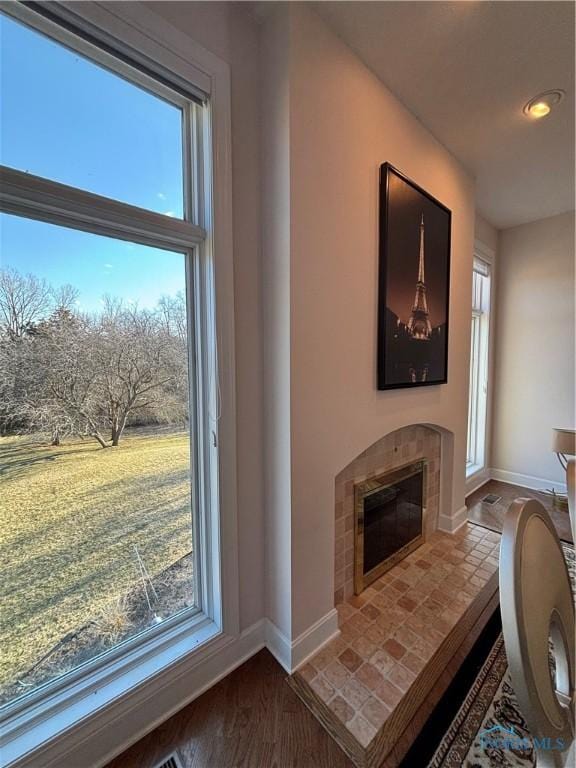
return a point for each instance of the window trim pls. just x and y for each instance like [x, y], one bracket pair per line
[474, 468]
[476, 379]
[62, 712]
[55, 203]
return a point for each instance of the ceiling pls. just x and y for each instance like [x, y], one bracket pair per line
[466, 69]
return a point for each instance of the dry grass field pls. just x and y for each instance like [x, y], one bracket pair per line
[69, 517]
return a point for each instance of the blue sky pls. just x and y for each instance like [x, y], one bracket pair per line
[67, 119]
[95, 265]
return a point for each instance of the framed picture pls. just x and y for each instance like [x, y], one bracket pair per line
[414, 284]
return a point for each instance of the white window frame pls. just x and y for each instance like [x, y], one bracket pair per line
[479, 392]
[57, 718]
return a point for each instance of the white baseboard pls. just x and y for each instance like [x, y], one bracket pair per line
[163, 705]
[292, 654]
[278, 644]
[528, 481]
[477, 480]
[451, 523]
[112, 729]
[311, 640]
[157, 710]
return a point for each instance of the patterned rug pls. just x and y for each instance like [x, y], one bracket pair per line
[490, 703]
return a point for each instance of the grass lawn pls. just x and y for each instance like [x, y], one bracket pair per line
[69, 517]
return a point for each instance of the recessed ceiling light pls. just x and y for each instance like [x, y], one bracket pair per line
[541, 105]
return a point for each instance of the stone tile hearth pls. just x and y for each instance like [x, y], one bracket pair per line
[395, 639]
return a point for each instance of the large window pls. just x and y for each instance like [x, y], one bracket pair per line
[107, 356]
[478, 397]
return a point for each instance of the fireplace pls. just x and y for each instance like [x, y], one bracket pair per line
[388, 521]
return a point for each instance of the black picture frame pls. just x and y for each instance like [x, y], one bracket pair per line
[413, 315]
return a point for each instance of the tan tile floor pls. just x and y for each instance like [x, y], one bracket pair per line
[390, 631]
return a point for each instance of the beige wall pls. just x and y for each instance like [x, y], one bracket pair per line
[229, 31]
[275, 120]
[316, 124]
[485, 233]
[534, 371]
[344, 124]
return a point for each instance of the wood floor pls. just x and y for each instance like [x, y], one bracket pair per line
[492, 516]
[251, 719]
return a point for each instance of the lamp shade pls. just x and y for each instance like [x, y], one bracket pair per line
[564, 441]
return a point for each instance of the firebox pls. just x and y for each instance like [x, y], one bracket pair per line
[388, 521]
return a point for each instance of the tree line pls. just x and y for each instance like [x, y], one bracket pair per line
[65, 373]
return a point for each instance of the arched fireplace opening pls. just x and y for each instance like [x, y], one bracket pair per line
[388, 502]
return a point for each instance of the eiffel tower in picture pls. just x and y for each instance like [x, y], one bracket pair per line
[419, 324]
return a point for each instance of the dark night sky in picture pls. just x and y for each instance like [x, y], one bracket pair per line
[405, 207]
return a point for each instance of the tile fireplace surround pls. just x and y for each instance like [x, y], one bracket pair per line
[404, 446]
[398, 643]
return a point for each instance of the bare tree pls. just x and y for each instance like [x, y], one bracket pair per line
[64, 373]
[64, 297]
[10, 419]
[140, 368]
[55, 385]
[172, 315]
[24, 300]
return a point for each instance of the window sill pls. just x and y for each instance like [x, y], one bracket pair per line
[111, 689]
[473, 469]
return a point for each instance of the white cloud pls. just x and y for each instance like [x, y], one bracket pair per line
[161, 196]
[109, 266]
[169, 213]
